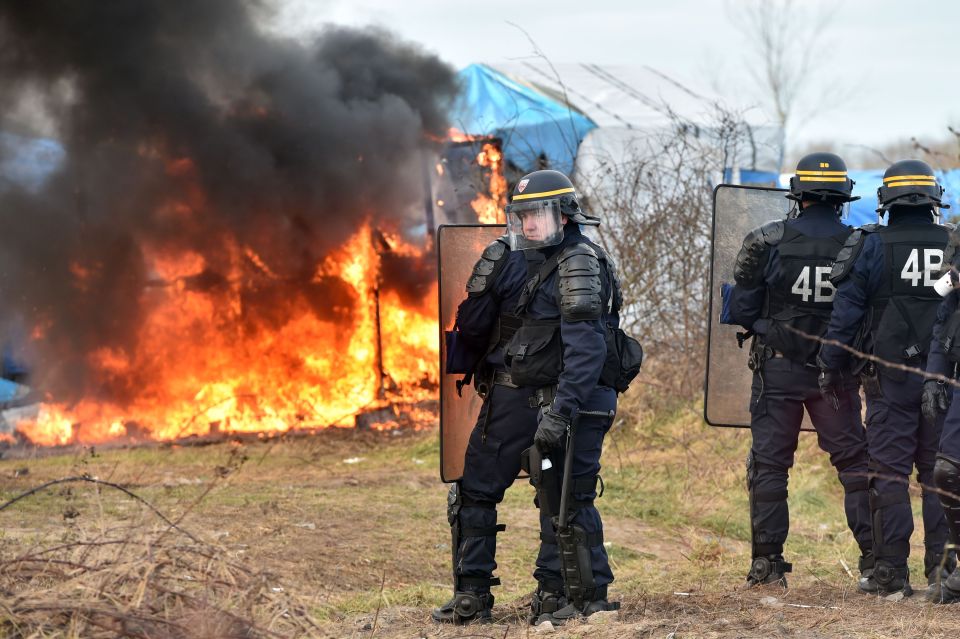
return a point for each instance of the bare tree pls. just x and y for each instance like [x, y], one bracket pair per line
[784, 37]
[657, 203]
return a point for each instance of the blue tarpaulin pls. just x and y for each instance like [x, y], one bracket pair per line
[536, 130]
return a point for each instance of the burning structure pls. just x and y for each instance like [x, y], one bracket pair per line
[235, 239]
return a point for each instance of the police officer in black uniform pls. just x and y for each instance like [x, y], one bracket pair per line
[569, 311]
[939, 398]
[783, 297]
[504, 428]
[886, 305]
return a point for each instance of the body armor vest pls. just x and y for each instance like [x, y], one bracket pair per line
[801, 298]
[904, 310]
[535, 354]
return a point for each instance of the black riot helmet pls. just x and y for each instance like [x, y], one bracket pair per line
[536, 204]
[822, 177]
[909, 183]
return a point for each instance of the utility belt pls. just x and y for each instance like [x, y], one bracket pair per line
[497, 378]
[760, 353]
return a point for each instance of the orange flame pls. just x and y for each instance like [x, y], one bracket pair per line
[200, 371]
[199, 365]
[489, 208]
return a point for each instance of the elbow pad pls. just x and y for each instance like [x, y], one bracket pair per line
[579, 284]
[753, 255]
[488, 267]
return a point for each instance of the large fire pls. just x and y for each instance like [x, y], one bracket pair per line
[201, 364]
[199, 368]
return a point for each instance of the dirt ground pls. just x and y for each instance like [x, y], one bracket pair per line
[344, 535]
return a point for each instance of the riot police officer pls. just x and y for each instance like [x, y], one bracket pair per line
[782, 297]
[504, 428]
[886, 305]
[939, 398]
[569, 310]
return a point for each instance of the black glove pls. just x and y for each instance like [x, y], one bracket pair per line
[935, 400]
[829, 382]
[551, 430]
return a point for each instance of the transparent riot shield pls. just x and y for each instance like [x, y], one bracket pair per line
[736, 211]
[458, 249]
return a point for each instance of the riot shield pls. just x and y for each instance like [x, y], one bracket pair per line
[736, 211]
[458, 249]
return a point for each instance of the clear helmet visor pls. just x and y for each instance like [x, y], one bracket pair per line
[534, 225]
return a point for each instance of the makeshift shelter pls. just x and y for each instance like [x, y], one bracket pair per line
[536, 130]
[601, 114]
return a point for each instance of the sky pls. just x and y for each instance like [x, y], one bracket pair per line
[883, 70]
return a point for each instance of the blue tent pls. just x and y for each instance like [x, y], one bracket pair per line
[533, 126]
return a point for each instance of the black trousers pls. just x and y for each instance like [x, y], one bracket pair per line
[899, 439]
[780, 393]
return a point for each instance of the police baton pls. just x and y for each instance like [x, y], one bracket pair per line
[565, 491]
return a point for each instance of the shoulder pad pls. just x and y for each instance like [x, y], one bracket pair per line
[772, 232]
[748, 269]
[488, 267]
[851, 250]
[579, 284]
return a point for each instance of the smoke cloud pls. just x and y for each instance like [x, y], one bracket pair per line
[188, 129]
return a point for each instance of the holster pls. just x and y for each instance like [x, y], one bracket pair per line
[543, 396]
[870, 379]
[759, 353]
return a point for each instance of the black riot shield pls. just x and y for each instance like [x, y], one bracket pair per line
[736, 211]
[458, 248]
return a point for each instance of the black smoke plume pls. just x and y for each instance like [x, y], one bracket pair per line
[186, 127]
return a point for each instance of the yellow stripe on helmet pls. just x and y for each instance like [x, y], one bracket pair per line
[897, 178]
[821, 179]
[912, 183]
[527, 196]
[821, 172]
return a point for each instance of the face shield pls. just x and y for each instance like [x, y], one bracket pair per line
[534, 225]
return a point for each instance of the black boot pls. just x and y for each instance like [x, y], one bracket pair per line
[891, 579]
[949, 591]
[595, 600]
[938, 570]
[545, 602]
[466, 606]
[938, 564]
[867, 583]
[771, 569]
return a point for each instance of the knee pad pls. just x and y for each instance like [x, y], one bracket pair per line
[946, 477]
[853, 481]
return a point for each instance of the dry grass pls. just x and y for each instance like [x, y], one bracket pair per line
[345, 535]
